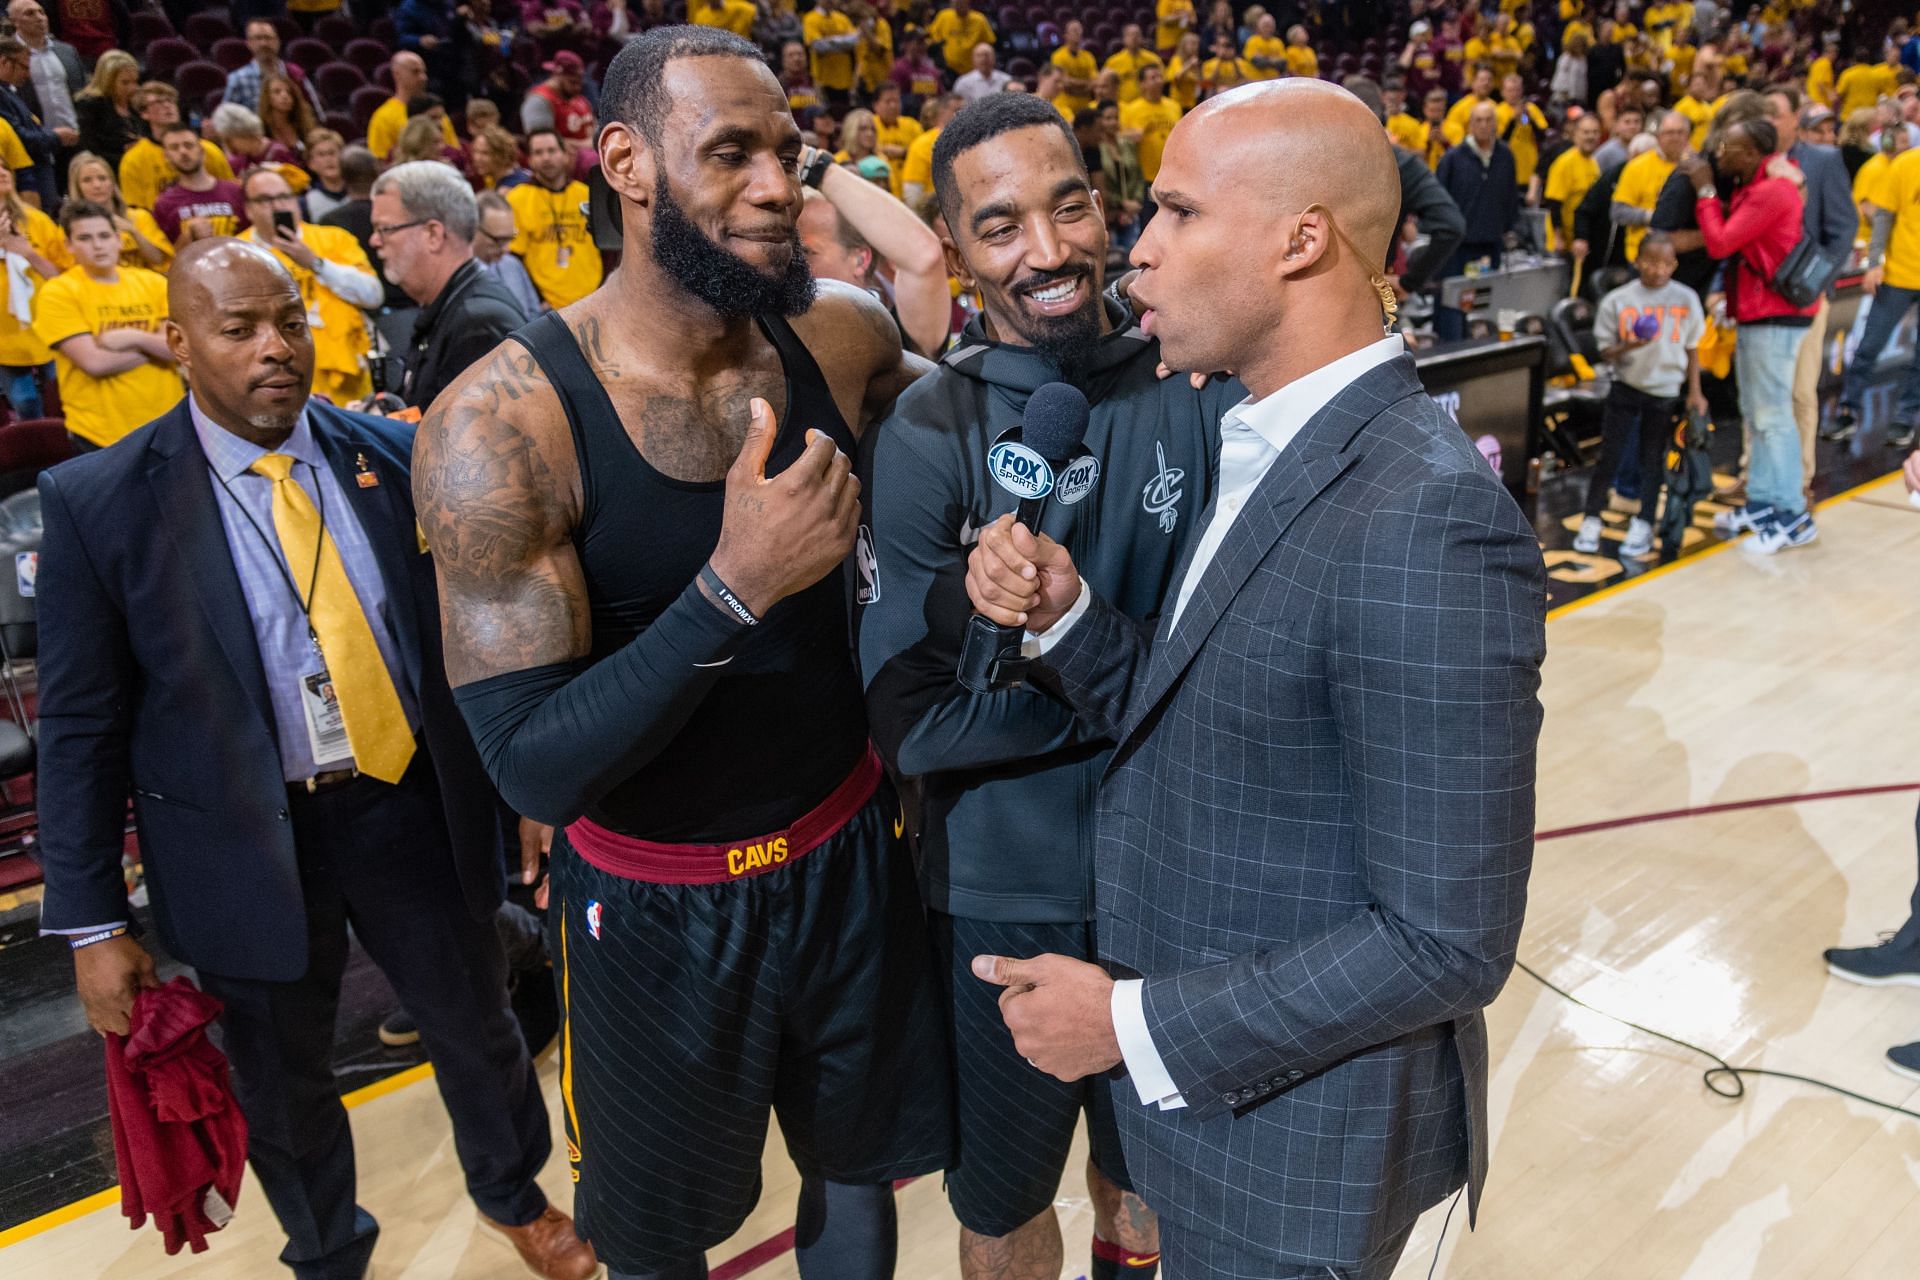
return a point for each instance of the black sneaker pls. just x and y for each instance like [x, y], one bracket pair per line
[1884, 965]
[1904, 1060]
[1900, 436]
[1844, 426]
[398, 1031]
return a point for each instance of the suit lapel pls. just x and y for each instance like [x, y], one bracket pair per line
[388, 528]
[183, 494]
[1325, 447]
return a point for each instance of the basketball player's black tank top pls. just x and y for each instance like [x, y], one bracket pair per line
[784, 723]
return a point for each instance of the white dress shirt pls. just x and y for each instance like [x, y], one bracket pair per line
[1253, 436]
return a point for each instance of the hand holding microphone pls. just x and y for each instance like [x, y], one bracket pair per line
[1020, 580]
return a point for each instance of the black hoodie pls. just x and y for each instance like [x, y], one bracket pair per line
[1007, 779]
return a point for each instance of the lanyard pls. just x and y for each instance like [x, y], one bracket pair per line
[278, 553]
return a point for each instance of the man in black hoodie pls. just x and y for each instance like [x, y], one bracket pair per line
[1007, 778]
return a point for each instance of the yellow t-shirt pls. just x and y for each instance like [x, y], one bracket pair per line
[1639, 186]
[1682, 58]
[1502, 53]
[830, 70]
[555, 241]
[956, 37]
[1183, 82]
[1302, 61]
[1455, 126]
[19, 344]
[101, 410]
[1523, 140]
[13, 152]
[130, 255]
[1129, 66]
[1700, 114]
[341, 338]
[1569, 178]
[919, 166]
[736, 16]
[1866, 189]
[1407, 132]
[1577, 27]
[1218, 74]
[1264, 47]
[1820, 81]
[1167, 34]
[383, 130]
[1862, 85]
[900, 133]
[874, 59]
[1154, 120]
[1898, 190]
[145, 173]
[1076, 66]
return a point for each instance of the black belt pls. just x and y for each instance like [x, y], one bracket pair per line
[321, 783]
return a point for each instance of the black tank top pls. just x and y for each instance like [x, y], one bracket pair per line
[785, 723]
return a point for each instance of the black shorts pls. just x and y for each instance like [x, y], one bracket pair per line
[690, 1011]
[1016, 1122]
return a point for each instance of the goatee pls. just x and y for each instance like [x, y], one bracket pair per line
[729, 284]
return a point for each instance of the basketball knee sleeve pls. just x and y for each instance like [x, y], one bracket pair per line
[846, 1231]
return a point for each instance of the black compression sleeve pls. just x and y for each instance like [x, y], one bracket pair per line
[556, 738]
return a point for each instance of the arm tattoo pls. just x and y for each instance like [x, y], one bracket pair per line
[491, 509]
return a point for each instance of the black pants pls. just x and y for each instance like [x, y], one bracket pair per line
[1632, 415]
[375, 857]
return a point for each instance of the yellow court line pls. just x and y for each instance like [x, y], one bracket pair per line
[412, 1075]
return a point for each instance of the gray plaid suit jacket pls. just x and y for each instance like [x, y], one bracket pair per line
[1315, 834]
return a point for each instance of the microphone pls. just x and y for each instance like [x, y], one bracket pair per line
[1030, 462]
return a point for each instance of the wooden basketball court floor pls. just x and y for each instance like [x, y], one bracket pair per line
[1692, 866]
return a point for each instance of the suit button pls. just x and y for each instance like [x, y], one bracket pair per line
[1296, 1075]
[1263, 1088]
[283, 815]
[1233, 1098]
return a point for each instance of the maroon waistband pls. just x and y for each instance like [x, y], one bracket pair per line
[637, 859]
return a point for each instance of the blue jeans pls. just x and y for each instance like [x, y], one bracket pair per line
[1890, 306]
[23, 388]
[1763, 360]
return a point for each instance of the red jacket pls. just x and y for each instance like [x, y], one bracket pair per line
[1760, 227]
[178, 1134]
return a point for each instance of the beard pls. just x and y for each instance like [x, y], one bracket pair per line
[1070, 341]
[729, 284]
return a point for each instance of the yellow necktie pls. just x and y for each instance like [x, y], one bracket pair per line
[369, 706]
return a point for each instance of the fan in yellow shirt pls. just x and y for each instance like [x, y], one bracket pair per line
[1183, 72]
[142, 242]
[1521, 125]
[1224, 70]
[1867, 193]
[144, 171]
[736, 16]
[893, 133]
[1863, 85]
[1820, 86]
[1079, 66]
[1149, 118]
[1898, 192]
[337, 284]
[1699, 107]
[1644, 175]
[31, 235]
[1680, 60]
[1481, 91]
[831, 40]
[873, 61]
[102, 321]
[1301, 59]
[554, 238]
[1499, 48]
[916, 174]
[1569, 178]
[409, 73]
[1130, 59]
[1172, 19]
[957, 30]
[1265, 49]
[13, 152]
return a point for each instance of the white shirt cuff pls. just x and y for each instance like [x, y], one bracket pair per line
[1149, 1074]
[82, 932]
[1036, 643]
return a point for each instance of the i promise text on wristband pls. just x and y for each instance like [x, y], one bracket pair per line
[727, 599]
[104, 935]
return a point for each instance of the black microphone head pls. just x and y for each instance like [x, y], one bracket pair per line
[1056, 422]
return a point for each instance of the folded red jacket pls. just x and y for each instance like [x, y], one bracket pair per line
[178, 1134]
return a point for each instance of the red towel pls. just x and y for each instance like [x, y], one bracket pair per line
[178, 1134]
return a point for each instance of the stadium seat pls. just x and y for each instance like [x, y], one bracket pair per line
[167, 55]
[206, 26]
[1102, 34]
[1009, 20]
[366, 55]
[231, 52]
[145, 27]
[384, 31]
[341, 122]
[288, 29]
[365, 101]
[382, 77]
[336, 81]
[335, 30]
[1021, 68]
[307, 53]
[197, 79]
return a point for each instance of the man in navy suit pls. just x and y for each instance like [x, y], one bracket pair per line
[185, 657]
[1314, 836]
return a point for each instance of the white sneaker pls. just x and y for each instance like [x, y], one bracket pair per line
[1587, 541]
[1639, 540]
[1775, 537]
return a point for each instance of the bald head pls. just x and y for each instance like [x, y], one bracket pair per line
[1283, 196]
[409, 75]
[238, 329]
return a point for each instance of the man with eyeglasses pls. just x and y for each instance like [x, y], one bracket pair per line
[336, 281]
[426, 222]
[492, 239]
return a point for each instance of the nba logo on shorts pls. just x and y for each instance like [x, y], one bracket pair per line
[593, 919]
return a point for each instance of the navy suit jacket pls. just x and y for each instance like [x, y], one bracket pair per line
[1314, 836]
[151, 684]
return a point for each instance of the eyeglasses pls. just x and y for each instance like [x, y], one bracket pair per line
[392, 227]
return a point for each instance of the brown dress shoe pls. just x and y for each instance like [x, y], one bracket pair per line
[549, 1246]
